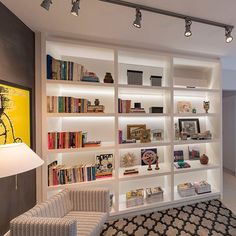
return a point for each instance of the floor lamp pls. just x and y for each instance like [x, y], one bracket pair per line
[17, 158]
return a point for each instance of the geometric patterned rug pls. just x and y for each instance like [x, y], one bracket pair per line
[210, 218]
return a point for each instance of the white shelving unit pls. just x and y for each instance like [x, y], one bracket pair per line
[177, 72]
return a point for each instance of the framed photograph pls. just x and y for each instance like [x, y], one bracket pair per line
[157, 134]
[189, 126]
[104, 164]
[135, 131]
[194, 153]
[15, 114]
[184, 107]
[148, 154]
[145, 136]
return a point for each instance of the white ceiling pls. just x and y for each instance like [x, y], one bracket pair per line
[105, 22]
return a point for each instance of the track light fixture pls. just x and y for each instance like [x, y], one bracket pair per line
[188, 24]
[228, 36]
[138, 18]
[46, 4]
[188, 19]
[75, 7]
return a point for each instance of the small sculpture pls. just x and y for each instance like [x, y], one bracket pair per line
[108, 78]
[194, 110]
[206, 105]
[157, 164]
[149, 164]
[96, 102]
[204, 159]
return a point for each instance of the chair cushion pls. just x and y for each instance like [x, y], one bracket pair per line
[89, 223]
[56, 207]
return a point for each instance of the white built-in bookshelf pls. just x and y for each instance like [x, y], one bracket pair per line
[177, 71]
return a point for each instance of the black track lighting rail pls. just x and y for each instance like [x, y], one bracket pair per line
[167, 13]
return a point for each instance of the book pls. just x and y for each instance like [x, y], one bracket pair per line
[104, 165]
[178, 155]
[181, 165]
[131, 171]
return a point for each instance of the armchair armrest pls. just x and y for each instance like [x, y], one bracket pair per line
[37, 226]
[97, 200]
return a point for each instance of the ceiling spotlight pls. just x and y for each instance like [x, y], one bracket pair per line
[188, 24]
[228, 31]
[46, 4]
[75, 7]
[138, 19]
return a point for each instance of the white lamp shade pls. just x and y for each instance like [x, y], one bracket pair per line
[17, 158]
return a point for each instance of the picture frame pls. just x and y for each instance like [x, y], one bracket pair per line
[145, 136]
[194, 153]
[189, 126]
[134, 131]
[15, 113]
[149, 153]
[157, 134]
[178, 155]
[184, 107]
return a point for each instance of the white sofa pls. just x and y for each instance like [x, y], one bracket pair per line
[69, 213]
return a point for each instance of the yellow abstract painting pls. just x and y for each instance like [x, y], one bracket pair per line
[14, 115]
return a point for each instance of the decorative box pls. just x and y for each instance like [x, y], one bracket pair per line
[135, 198]
[156, 110]
[202, 187]
[135, 77]
[154, 194]
[186, 190]
[156, 80]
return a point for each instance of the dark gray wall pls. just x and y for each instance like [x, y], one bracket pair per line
[17, 65]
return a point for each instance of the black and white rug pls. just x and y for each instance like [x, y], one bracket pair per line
[202, 219]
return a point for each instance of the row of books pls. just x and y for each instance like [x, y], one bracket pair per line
[64, 140]
[64, 70]
[66, 104]
[124, 106]
[61, 174]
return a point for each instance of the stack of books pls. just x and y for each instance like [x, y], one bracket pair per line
[64, 140]
[61, 174]
[90, 77]
[181, 165]
[137, 110]
[124, 106]
[154, 194]
[92, 144]
[64, 70]
[202, 187]
[95, 109]
[66, 105]
[135, 198]
[186, 190]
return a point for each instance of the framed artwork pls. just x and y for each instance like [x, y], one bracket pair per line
[189, 126]
[15, 114]
[194, 153]
[157, 134]
[184, 107]
[135, 131]
[148, 155]
[145, 136]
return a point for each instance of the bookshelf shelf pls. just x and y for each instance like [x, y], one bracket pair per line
[196, 115]
[165, 169]
[189, 142]
[196, 166]
[176, 73]
[143, 145]
[84, 115]
[80, 184]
